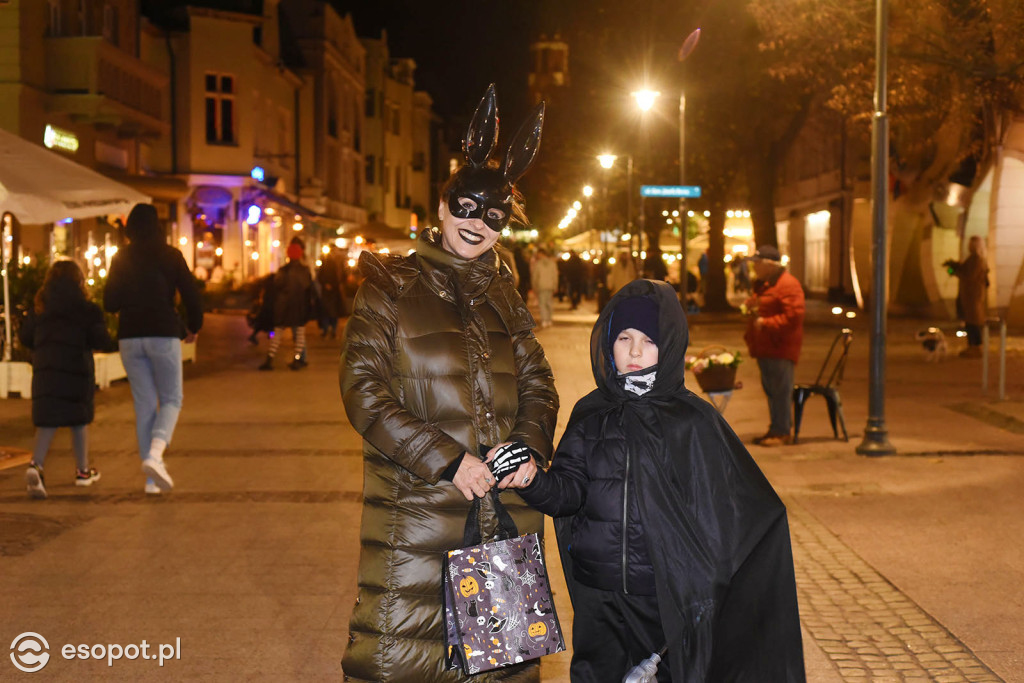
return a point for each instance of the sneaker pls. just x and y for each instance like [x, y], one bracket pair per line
[86, 477]
[152, 489]
[776, 440]
[155, 470]
[34, 482]
[268, 364]
[759, 439]
[297, 364]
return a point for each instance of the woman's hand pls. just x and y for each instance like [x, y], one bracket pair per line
[522, 477]
[473, 477]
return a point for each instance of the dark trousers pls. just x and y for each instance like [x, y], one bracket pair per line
[612, 633]
[777, 381]
[973, 334]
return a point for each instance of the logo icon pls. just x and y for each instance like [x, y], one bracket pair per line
[30, 652]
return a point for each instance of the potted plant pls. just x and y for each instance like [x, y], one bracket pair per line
[715, 368]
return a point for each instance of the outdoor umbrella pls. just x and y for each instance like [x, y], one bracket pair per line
[40, 186]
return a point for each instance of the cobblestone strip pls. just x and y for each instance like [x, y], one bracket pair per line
[865, 625]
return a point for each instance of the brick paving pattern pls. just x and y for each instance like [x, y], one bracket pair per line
[868, 628]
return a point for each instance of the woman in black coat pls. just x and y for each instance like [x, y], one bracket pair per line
[63, 330]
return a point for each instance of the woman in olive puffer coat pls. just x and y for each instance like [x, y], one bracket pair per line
[439, 358]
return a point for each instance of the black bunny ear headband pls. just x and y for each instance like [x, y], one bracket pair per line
[481, 189]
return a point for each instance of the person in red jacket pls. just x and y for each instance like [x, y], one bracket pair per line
[774, 334]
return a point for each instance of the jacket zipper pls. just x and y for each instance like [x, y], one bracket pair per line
[625, 522]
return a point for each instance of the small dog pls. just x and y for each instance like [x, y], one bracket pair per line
[934, 343]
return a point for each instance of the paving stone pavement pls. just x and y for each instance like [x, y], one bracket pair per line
[866, 626]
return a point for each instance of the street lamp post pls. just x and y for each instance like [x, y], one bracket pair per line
[682, 200]
[645, 100]
[876, 436]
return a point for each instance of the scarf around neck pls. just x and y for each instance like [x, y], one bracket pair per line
[639, 382]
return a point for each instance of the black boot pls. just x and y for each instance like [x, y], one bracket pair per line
[268, 364]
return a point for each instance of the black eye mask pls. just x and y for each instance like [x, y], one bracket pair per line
[492, 188]
[488, 189]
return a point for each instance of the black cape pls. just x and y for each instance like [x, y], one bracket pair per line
[717, 533]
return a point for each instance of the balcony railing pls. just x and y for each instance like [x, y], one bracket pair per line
[89, 65]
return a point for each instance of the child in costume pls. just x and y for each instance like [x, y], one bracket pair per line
[671, 537]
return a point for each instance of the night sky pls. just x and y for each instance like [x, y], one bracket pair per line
[459, 45]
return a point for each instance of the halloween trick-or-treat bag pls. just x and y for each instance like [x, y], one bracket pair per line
[497, 598]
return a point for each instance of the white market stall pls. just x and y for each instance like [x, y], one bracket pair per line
[38, 186]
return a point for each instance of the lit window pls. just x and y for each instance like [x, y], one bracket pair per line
[220, 108]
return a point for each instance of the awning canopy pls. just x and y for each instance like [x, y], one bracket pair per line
[303, 211]
[39, 186]
[381, 234]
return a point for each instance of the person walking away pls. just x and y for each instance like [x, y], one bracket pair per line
[622, 272]
[261, 314]
[671, 537]
[293, 306]
[145, 277]
[654, 266]
[545, 281]
[524, 276]
[574, 275]
[972, 294]
[440, 362]
[775, 333]
[63, 328]
[331, 302]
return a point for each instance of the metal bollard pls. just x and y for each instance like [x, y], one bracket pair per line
[984, 358]
[1002, 359]
[1002, 356]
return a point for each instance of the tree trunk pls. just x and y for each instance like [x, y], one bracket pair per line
[761, 189]
[714, 290]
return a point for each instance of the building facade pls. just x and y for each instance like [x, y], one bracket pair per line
[233, 136]
[71, 78]
[397, 142]
[824, 216]
[333, 68]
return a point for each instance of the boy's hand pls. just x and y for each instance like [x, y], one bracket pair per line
[509, 462]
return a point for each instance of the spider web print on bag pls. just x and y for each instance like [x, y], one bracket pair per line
[498, 605]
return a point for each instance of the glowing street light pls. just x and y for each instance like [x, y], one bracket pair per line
[606, 160]
[645, 98]
[588, 191]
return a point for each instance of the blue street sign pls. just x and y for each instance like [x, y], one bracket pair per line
[689, 191]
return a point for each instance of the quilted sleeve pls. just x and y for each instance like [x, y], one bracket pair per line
[368, 393]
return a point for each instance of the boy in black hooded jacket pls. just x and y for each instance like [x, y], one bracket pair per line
[670, 534]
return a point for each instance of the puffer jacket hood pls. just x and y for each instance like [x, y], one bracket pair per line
[143, 225]
[673, 334]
